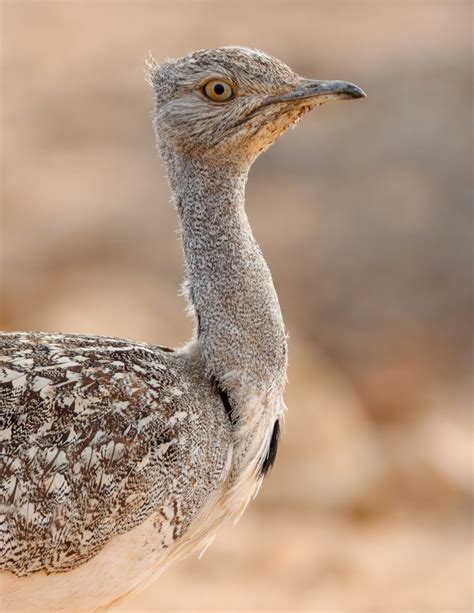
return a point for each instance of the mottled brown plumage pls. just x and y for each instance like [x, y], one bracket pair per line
[100, 439]
[120, 452]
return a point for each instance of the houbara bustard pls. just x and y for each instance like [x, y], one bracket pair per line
[118, 457]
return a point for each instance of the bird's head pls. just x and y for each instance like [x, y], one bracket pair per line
[232, 102]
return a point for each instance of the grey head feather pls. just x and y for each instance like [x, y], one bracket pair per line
[187, 121]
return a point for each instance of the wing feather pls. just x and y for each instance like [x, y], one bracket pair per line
[96, 434]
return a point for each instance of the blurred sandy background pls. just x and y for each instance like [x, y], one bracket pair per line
[364, 215]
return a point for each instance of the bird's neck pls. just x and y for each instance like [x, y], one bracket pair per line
[239, 322]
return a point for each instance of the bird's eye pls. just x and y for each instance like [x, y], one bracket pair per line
[218, 90]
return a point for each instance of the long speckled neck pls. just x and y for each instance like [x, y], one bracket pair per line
[240, 325]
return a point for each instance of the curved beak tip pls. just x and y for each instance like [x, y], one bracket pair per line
[340, 89]
[356, 92]
[329, 90]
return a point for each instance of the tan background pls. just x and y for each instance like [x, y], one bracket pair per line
[364, 215]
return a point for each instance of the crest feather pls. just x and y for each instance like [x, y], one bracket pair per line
[152, 67]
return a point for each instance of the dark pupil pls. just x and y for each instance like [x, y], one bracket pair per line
[219, 89]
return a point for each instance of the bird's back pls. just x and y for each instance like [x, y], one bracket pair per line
[97, 435]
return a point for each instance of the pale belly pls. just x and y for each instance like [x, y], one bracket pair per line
[124, 564]
[129, 562]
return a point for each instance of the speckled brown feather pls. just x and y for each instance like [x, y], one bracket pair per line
[96, 434]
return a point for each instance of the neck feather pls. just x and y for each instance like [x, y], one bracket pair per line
[240, 326]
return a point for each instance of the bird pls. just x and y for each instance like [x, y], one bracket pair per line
[119, 457]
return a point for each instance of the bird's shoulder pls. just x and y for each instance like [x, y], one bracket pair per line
[96, 433]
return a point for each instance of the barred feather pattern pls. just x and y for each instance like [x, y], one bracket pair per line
[98, 434]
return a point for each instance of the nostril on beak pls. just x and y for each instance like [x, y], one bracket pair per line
[309, 83]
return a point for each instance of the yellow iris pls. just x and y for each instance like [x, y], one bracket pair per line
[218, 90]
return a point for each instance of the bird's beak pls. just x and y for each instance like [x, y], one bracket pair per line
[319, 92]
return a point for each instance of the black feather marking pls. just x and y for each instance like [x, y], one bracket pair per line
[167, 349]
[270, 456]
[223, 395]
[227, 406]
